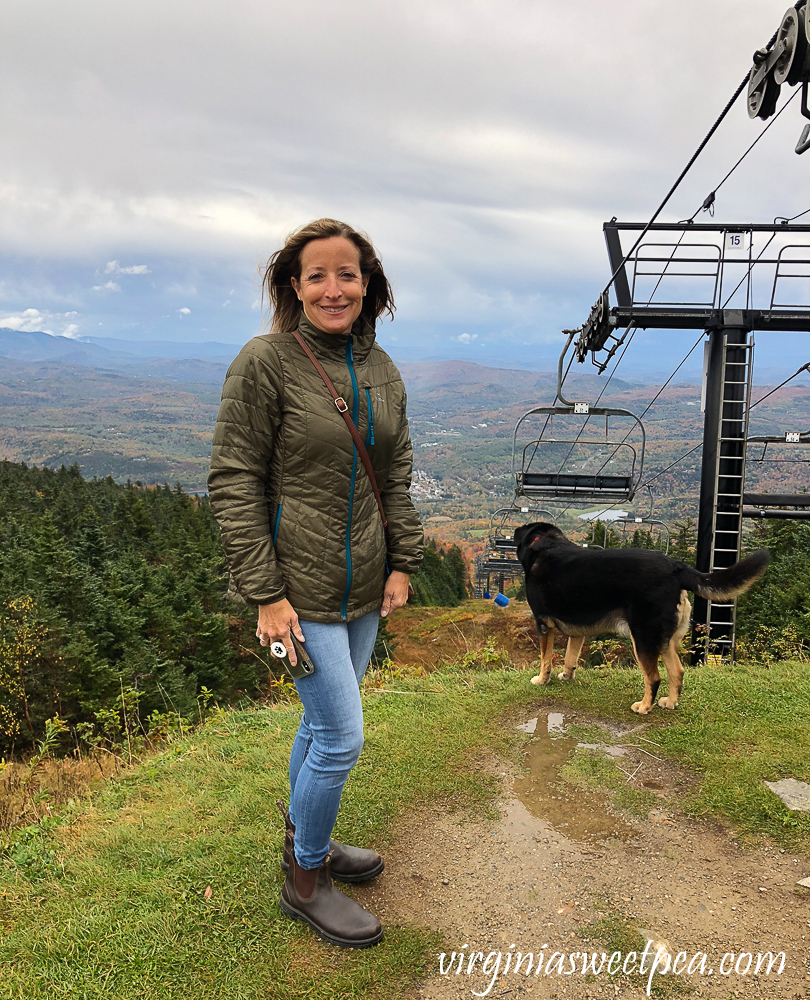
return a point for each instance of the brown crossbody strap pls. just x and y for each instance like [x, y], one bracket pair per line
[343, 409]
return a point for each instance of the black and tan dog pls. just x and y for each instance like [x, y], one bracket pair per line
[640, 593]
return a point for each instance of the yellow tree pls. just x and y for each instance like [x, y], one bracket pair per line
[20, 644]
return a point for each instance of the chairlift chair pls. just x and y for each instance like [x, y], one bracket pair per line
[501, 538]
[652, 524]
[592, 485]
[639, 520]
[777, 506]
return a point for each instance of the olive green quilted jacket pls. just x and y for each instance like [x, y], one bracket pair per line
[294, 504]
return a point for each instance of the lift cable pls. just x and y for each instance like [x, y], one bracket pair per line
[676, 462]
[651, 403]
[646, 483]
[697, 447]
[708, 203]
[686, 169]
[804, 368]
[759, 255]
[598, 398]
[747, 275]
[644, 412]
[784, 219]
[632, 332]
[677, 183]
[672, 376]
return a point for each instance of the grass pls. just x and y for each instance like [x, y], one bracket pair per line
[617, 933]
[590, 769]
[166, 886]
[737, 726]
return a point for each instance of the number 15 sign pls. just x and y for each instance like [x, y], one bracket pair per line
[737, 244]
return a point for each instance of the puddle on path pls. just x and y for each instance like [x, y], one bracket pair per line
[579, 814]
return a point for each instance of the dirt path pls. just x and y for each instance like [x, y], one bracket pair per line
[559, 860]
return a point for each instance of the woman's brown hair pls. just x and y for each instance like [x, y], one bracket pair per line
[285, 264]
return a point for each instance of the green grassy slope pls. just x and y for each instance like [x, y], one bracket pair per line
[115, 903]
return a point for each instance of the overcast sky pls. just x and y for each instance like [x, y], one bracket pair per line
[155, 153]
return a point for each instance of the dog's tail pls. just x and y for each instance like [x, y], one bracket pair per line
[724, 584]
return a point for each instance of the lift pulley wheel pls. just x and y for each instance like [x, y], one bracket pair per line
[763, 90]
[597, 328]
[807, 23]
[790, 66]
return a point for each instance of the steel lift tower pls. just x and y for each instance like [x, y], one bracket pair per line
[730, 280]
[733, 293]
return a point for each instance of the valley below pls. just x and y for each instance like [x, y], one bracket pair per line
[151, 422]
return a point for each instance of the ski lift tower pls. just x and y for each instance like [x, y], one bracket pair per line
[731, 281]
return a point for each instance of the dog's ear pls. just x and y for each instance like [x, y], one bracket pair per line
[522, 532]
[525, 534]
[534, 533]
[530, 536]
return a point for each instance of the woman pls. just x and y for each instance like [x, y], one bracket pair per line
[304, 534]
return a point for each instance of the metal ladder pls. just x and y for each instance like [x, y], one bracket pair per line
[729, 485]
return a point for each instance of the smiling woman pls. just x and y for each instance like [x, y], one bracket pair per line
[321, 543]
[331, 287]
[320, 246]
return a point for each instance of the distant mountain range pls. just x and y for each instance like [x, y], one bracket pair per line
[208, 361]
[150, 418]
[168, 360]
[44, 347]
[208, 350]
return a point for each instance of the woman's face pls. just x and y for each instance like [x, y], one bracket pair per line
[330, 285]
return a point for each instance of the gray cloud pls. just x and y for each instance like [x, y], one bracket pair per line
[482, 144]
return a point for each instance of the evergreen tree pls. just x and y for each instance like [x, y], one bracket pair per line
[442, 577]
[111, 587]
[683, 541]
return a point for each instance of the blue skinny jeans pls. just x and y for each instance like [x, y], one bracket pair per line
[330, 736]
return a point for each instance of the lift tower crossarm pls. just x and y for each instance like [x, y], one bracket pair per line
[707, 262]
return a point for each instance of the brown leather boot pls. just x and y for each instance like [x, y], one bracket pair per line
[309, 895]
[349, 864]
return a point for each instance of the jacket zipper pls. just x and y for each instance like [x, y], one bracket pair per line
[275, 526]
[370, 434]
[355, 409]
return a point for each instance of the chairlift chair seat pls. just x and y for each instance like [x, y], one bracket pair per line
[778, 506]
[571, 484]
[494, 564]
[503, 544]
[581, 487]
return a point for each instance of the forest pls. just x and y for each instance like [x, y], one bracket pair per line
[112, 600]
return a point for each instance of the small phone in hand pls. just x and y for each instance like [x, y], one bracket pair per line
[303, 668]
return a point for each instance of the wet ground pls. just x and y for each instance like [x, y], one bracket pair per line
[559, 861]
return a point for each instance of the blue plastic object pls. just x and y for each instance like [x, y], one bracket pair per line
[501, 600]
[487, 595]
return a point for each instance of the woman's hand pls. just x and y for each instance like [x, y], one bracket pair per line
[276, 621]
[395, 594]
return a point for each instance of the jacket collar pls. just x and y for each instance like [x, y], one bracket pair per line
[333, 345]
